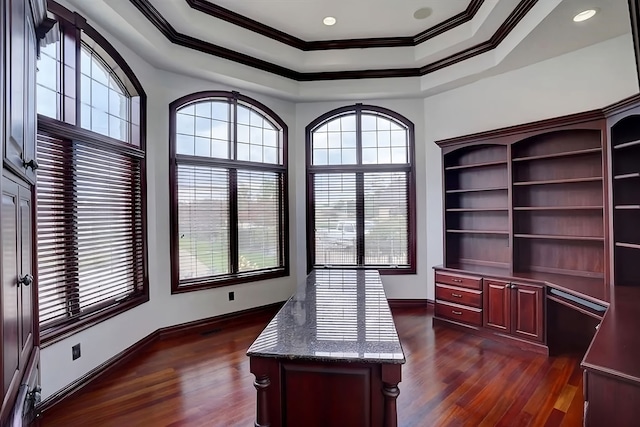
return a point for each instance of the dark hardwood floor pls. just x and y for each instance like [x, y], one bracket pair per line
[450, 379]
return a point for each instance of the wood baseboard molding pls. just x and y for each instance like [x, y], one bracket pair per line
[196, 327]
[495, 336]
[411, 303]
[213, 324]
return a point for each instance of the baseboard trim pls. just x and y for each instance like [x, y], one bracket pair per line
[528, 346]
[196, 327]
[411, 303]
[225, 320]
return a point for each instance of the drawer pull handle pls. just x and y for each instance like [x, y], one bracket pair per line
[459, 313]
[457, 280]
[456, 295]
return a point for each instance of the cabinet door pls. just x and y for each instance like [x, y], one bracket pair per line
[25, 261]
[497, 305]
[17, 294]
[528, 311]
[19, 147]
[11, 348]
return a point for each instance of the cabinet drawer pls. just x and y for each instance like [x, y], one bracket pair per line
[459, 295]
[459, 313]
[457, 280]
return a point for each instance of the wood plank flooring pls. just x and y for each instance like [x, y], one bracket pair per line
[450, 379]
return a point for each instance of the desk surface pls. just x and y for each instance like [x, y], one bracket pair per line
[615, 349]
[334, 315]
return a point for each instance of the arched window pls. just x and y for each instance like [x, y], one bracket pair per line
[228, 183]
[361, 190]
[90, 189]
[105, 100]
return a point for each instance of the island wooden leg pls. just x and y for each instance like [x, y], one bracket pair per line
[262, 413]
[260, 368]
[391, 376]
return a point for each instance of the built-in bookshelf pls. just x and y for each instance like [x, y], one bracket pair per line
[625, 171]
[558, 200]
[476, 206]
[529, 202]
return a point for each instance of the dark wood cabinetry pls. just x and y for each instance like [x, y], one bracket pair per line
[459, 298]
[527, 310]
[19, 360]
[19, 147]
[528, 202]
[515, 308]
[17, 279]
[545, 216]
[625, 166]
[476, 205]
[497, 305]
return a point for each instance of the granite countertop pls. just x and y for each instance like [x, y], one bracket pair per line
[335, 315]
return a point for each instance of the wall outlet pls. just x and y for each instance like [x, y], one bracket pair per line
[232, 296]
[75, 352]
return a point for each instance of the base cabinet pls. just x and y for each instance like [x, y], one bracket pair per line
[496, 308]
[610, 401]
[497, 302]
[459, 298]
[515, 308]
[528, 311]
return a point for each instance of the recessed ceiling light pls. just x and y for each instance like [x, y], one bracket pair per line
[584, 15]
[329, 21]
[423, 13]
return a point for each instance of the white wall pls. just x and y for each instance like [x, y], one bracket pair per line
[579, 81]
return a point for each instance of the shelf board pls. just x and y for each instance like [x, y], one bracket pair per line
[560, 181]
[477, 210]
[564, 154]
[625, 207]
[626, 145]
[559, 237]
[498, 232]
[627, 176]
[476, 165]
[474, 190]
[557, 208]
[627, 245]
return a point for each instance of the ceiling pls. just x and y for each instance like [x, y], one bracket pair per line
[280, 46]
[355, 18]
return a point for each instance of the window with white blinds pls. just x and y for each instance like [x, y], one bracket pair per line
[90, 234]
[361, 203]
[228, 171]
[90, 188]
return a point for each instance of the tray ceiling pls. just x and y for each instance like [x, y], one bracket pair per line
[464, 39]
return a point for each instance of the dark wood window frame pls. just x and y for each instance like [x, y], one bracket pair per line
[359, 170]
[67, 127]
[234, 276]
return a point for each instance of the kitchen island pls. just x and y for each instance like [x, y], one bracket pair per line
[330, 357]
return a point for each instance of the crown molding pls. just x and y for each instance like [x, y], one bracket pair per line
[220, 12]
[159, 21]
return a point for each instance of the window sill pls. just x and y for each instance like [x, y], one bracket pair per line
[218, 282]
[383, 270]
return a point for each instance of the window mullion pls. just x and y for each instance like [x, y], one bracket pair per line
[234, 256]
[360, 218]
[72, 266]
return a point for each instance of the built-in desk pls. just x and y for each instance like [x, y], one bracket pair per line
[612, 364]
[331, 356]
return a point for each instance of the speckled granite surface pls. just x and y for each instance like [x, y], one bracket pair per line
[335, 315]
